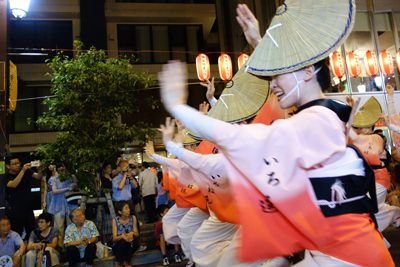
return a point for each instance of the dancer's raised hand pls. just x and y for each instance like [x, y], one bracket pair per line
[168, 130]
[249, 24]
[173, 80]
[149, 148]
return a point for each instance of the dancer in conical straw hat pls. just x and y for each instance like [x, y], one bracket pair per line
[302, 165]
[372, 147]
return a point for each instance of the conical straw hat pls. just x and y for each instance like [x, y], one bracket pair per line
[368, 114]
[194, 136]
[241, 99]
[187, 140]
[301, 34]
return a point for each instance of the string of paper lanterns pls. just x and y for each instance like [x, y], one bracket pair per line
[337, 64]
[371, 63]
[224, 66]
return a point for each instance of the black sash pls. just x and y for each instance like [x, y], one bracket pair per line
[354, 186]
[341, 109]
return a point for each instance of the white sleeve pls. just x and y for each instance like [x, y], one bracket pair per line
[391, 104]
[162, 160]
[394, 128]
[213, 101]
[175, 149]
[195, 160]
[203, 125]
[353, 135]
[207, 164]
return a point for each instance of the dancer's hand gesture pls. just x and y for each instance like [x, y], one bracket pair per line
[173, 80]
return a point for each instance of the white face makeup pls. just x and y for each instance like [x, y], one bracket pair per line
[284, 86]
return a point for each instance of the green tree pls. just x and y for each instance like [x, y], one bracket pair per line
[90, 92]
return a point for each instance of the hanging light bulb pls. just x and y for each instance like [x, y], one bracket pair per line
[19, 8]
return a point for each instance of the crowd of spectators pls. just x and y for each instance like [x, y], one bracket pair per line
[62, 228]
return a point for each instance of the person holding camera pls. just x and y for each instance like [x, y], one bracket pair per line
[122, 185]
[17, 182]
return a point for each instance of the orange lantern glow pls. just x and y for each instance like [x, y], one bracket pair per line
[353, 64]
[386, 62]
[371, 63]
[242, 60]
[337, 64]
[398, 60]
[203, 67]
[225, 67]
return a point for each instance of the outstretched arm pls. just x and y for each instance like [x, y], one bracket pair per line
[249, 24]
[392, 127]
[174, 96]
[353, 135]
[149, 149]
[195, 160]
[210, 91]
[390, 97]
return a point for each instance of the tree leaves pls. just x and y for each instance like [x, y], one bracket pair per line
[91, 91]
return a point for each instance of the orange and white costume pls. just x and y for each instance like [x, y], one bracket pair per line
[290, 164]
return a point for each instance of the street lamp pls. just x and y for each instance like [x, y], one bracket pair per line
[19, 8]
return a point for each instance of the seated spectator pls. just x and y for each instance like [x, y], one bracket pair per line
[161, 211]
[11, 243]
[45, 235]
[125, 234]
[80, 239]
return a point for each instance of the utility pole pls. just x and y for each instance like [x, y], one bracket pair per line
[4, 89]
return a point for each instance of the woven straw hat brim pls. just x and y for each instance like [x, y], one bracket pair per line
[301, 34]
[187, 139]
[194, 136]
[241, 99]
[368, 114]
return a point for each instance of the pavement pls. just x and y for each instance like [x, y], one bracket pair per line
[152, 257]
[391, 234]
[182, 264]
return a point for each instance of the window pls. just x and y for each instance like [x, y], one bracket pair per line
[169, 1]
[29, 109]
[386, 42]
[39, 34]
[172, 42]
[360, 41]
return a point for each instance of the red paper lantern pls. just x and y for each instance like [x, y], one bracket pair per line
[225, 67]
[386, 62]
[242, 60]
[353, 64]
[337, 64]
[398, 60]
[371, 63]
[203, 67]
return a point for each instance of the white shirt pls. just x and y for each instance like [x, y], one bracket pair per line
[148, 182]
